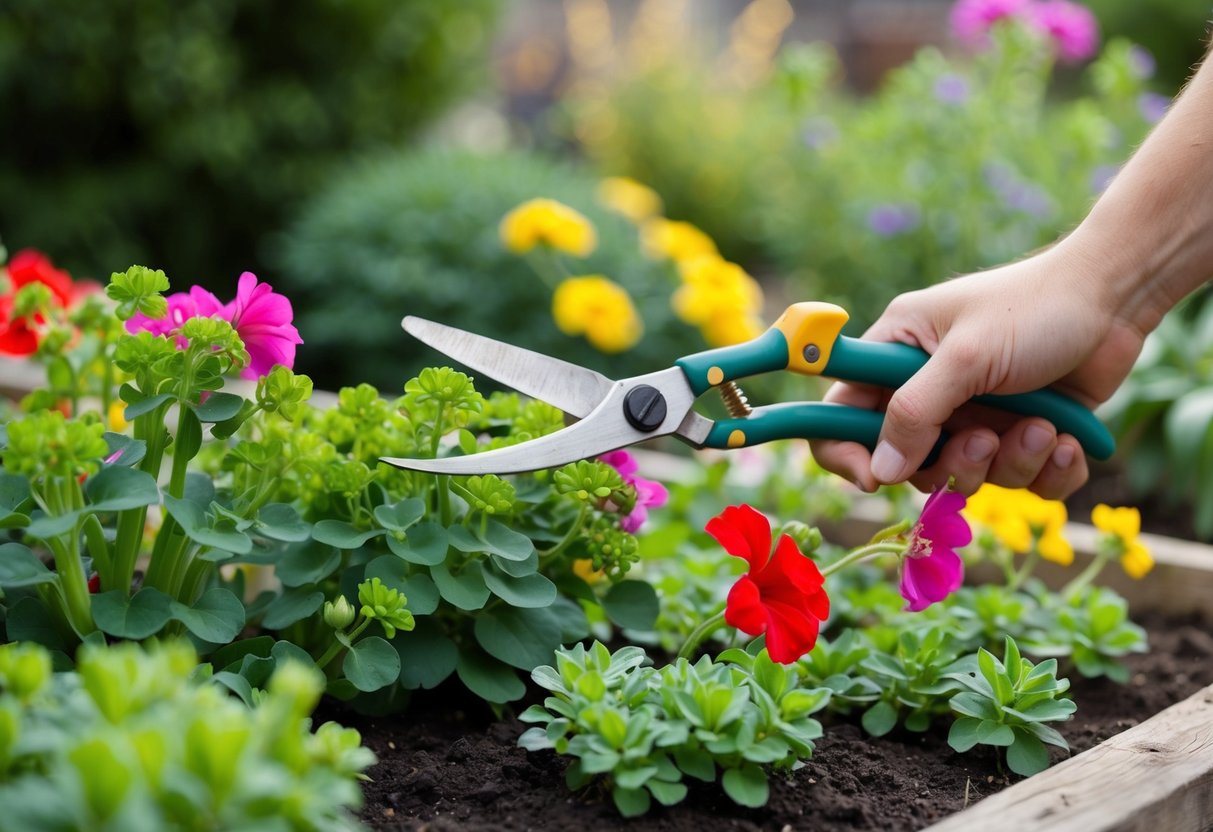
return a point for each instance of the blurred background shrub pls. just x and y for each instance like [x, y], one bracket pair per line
[177, 133]
[416, 233]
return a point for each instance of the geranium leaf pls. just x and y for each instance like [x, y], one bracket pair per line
[489, 679]
[1027, 755]
[747, 786]
[504, 542]
[136, 617]
[293, 605]
[524, 638]
[400, 516]
[308, 563]
[217, 617]
[371, 664]
[341, 534]
[147, 405]
[574, 624]
[533, 591]
[19, 566]
[418, 588]
[425, 544]
[467, 590]
[197, 527]
[632, 604]
[116, 489]
[218, 407]
[427, 655]
[879, 719]
[132, 450]
[31, 620]
[279, 521]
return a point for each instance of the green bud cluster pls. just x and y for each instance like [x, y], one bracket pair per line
[610, 548]
[47, 444]
[25, 670]
[138, 289]
[339, 614]
[490, 494]
[31, 299]
[385, 605]
[282, 391]
[592, 482]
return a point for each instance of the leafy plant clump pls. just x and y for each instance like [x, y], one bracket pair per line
[645, 728]
[137, 740]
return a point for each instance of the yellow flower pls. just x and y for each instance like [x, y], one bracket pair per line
[116, 417]
[729, 329]
[628, 197]
[673, 240]
[1021, 521]
[712, 287]
[547, 222]
[584, 568]
[599, 309]
[1123, 525]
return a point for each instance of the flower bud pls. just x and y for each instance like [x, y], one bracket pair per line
[340, 614]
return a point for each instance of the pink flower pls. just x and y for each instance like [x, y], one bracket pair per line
[1072, 28]
[196, 303]
[972, 19]
[931, 570]
[262, 319]
[649, 493]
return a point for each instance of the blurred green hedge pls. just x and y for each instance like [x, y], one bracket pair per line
[178, 132]
[416, 233]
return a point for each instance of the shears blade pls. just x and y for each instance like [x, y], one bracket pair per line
[568, 387]
[603, 429]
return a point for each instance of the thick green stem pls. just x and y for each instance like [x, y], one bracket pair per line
[705, 629]
[150, 428]
[337, 646]
[569, 537]
[73, 582]
[1025, 570]
[863, 553]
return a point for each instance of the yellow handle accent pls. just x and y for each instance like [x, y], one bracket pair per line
[811, 324]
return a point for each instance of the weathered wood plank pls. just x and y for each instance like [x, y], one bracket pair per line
[1157, 776]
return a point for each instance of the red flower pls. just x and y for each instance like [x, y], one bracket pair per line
[29, 266]
[782, 595]
[16, 335]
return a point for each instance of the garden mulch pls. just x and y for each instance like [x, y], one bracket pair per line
[447, 764]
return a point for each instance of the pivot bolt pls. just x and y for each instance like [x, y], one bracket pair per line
[811, 353]
[644, 407]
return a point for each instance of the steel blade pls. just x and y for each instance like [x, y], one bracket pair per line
[569, 387]
[604, 429]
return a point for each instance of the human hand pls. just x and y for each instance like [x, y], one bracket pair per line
[1039, 322]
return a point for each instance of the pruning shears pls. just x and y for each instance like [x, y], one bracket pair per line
[610, 414]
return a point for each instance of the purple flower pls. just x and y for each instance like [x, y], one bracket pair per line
[890, 219]
[972, 20]
[818, 132]
[952, 89]
[262, 319]
[196, 303]
[930, 569]
[1141, 62]
[1102, 176]
[1153, 106]
[1072, 28]
[649, 493]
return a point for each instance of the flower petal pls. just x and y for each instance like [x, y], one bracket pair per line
[744, 533]
[927, 580]
[744, 609]
[790, 633]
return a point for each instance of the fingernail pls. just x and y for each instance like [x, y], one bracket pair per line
[978, 448]
[1036, 439]
[1063, 456]
[887, 463]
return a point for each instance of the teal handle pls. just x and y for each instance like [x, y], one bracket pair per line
[804, 420]
[765, 354]
[891, 365]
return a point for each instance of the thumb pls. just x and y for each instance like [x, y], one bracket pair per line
[918, 409]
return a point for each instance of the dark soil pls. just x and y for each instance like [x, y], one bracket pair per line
[448, 765]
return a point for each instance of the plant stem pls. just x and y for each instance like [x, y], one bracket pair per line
[1025, 570]
[1087, 575]
[570, 536]
[705, 629]
[336, 647]
[863, 553]
[149, 427]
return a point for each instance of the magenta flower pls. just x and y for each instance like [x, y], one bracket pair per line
[1072, 28]
[649, 493]
[196, 303]
[972, 20]
[262, 319]
[930, 569]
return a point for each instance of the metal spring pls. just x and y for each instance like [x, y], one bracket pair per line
[734, 400]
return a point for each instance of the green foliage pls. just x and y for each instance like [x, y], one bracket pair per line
[416, 233]
[644, 729]
[1172, 32]
[138, 290]
[1006, 704]
[912, 676]
[180, 133]
[131, 741]
[1163, 414]
[385, 605]
[1093, 629]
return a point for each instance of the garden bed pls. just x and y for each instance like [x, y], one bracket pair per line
[447, 765]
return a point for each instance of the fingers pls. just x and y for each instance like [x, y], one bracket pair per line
[1026, 447]
[918, 409]
[849, 459]
[966, 458]
[1064, 472]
